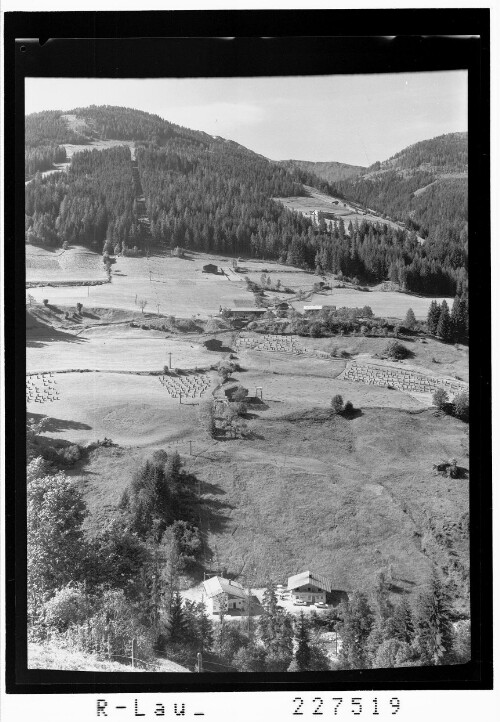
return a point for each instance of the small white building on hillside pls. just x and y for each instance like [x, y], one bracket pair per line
[224, 594]
[309, 586]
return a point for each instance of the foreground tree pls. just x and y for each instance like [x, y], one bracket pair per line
[410, 321]
[444, 328]
[433, 318]
[433, 623]
[354, 628]
[57, 550]
[303, 649]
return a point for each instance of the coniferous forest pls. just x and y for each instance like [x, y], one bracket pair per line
[207, 194]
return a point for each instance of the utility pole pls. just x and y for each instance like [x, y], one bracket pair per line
[158, 307]
[169, 359]
[190, 448]
[134, 651]
[200, 662]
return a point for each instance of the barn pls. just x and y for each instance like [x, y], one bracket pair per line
[224, 594]
[210, 268]
[244, 312]
[309, 586]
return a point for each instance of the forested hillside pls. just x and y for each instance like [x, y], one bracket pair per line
[209, 194]
[94, 202]
[330, 171]
[425, 186]
[445, 154]
[48, 128]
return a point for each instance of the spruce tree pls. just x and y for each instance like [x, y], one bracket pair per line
[204, 628]
[459, 319]
[444, 328]
[433, 318]
[403, 627]
[280, 648]
[176, 620]
[303, 650]
[410, 321]
[356, 624]
[268, 621]
[433, 623]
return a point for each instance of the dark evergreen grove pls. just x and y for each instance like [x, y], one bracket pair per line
[43, 158]
[207, 194]
[93, 202]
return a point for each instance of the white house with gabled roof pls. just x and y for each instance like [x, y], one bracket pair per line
[309, 586]
[224, 594]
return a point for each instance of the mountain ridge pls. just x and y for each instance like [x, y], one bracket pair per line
[211, 194]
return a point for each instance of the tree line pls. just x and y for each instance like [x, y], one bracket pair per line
[43, 158]
[91, 204]
[448, 153]
[439, 215]
[96, 592]
[49, 128]
[211, 195]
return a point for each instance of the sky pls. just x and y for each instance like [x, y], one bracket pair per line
[355, 119]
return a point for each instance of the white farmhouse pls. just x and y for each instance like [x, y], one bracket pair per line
[309, 586]
[224, 594]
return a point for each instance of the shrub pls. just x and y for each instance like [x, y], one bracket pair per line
[337, 404]
[45, 301]
[461, 406]
[396, 350]
[348, 408]
[70, 455]
[240, 393]
[241, 408]
[440, 398]
[68, 606]
[79, 308]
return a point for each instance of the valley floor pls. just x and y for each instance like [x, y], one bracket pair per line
[347, 497]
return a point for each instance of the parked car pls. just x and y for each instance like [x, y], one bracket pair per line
[321, 605]
[299, 603]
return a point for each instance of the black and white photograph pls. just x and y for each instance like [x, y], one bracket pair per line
[247, 373]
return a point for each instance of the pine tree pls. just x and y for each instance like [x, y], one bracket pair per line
[459, 319]
[403, 627]
[444, 328]
[176, 620]
[410, 321]
[355, 626]
[203, 627]
[303, 650]
[268, 621]
[433, 318]
[433, 623]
